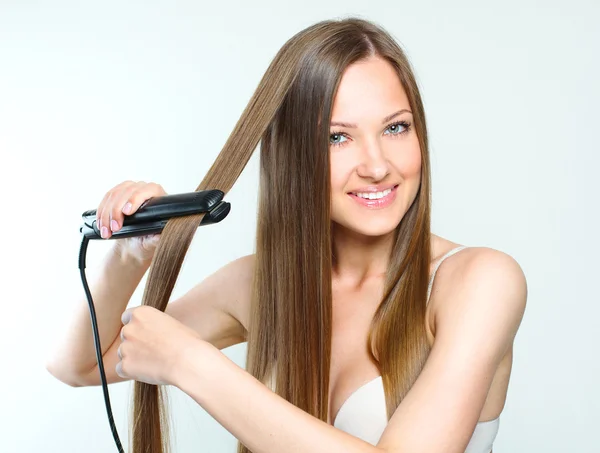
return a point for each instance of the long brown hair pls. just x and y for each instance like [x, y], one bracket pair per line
[289, 338]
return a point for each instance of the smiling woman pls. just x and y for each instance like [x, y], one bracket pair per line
[377, 165]
[351, 345]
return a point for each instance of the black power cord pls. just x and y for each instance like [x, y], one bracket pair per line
[111, 421]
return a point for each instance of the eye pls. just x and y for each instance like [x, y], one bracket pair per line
[335, 139]
[394, 128]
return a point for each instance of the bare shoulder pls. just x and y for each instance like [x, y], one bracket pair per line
[235, 282]
[477, 304]
[239, 275]
[217, 307]
[482, 276]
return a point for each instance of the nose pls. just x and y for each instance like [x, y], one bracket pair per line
[373, 163]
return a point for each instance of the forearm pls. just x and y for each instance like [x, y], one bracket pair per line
[111, 286]
[259, 418]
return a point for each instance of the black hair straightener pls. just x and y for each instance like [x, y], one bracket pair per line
[150, 218]
[154, 213]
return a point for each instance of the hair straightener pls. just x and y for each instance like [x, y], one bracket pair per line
[150, 218]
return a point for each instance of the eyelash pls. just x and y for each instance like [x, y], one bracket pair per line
[405, 124]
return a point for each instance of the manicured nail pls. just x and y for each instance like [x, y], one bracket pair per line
[114, 226]
[104, 232]
[127, 208]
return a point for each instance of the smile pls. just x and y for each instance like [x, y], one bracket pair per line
[375, 200]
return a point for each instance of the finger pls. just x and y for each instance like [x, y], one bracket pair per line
[112, 206]
[119, 370]
[104, 209]
[126, 316]
[102, 204]
[141, 194]
[120, 200]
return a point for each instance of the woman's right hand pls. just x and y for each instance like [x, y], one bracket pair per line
[112, 211]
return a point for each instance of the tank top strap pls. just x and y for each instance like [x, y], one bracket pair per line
[440, 261]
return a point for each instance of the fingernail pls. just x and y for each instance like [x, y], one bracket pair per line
[127, 208]
[104, 232]
[114, 226]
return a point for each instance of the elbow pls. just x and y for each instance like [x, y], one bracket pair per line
[57, 372]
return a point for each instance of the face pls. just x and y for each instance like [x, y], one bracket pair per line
[375, 156]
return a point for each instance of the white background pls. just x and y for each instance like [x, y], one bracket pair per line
[94, 93]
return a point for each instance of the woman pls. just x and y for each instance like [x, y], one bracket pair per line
[359, 339]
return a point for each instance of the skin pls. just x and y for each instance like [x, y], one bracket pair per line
[475, 309]
[370, 154]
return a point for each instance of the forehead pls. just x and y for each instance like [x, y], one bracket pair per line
[369, 89]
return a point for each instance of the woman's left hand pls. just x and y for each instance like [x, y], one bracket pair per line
[153, 345]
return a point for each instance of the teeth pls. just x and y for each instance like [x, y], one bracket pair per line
[372, 195]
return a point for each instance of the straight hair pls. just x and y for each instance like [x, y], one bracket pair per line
[290, 325]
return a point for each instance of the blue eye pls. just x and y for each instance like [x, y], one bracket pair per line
[336, 134]
[404, 124]
[396, 133]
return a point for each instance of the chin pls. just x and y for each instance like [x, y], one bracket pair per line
[372, 228]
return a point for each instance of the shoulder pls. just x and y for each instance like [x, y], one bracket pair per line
[474, 267]
[238, 276]
[239, 271]
[243, 265]
[478, 267]
[481, 260]
[480, 285]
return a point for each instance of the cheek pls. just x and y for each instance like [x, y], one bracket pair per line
[340, 171]
[410, 165]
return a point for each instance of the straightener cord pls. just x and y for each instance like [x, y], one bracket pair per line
[113, 428]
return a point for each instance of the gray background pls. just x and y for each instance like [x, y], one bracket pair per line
[92, 94]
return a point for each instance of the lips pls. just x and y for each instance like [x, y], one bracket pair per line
[376, 204]
[374, 189]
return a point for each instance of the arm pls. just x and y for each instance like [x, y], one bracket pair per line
[479, 312]
[259, 418]
[112, 287]
[439, 413]
[210, 309]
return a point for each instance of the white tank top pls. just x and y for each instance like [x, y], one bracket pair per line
[363, 414]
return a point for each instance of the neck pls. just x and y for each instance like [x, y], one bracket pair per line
[359, 258]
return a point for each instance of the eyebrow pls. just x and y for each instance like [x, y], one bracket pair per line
[385, 120]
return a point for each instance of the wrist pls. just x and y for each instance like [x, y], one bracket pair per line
[191, 366]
